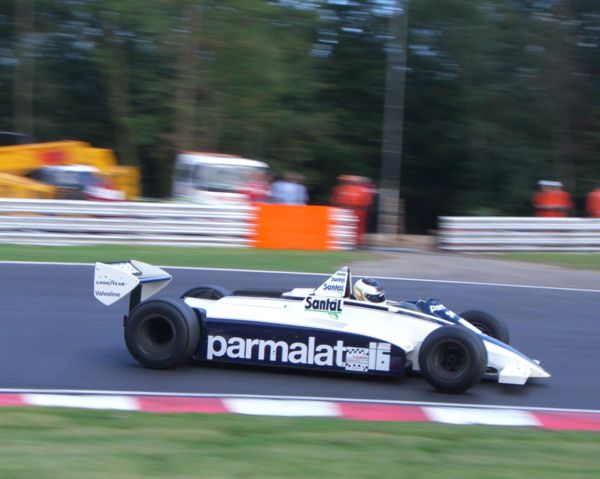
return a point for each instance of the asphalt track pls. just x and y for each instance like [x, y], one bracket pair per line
[55, 335]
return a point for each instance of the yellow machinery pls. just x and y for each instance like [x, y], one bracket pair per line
[17, 161]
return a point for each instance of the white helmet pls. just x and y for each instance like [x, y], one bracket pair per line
[369, 289]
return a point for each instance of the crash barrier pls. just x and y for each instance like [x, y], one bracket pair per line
[66, 222]
[463, 233]
[304, 227]
[87, 222]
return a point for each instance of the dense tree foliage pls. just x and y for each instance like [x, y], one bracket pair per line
[499, 93]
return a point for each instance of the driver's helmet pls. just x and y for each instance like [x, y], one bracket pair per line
[369, 289]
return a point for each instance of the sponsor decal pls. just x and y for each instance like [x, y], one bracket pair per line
[436, 307]
[110, 283]
[331, 306]
[375, 357]
[109, 294]
[441, 311]
[335, 286]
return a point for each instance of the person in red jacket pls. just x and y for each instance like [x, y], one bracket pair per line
[356, 194]
[257, 188]
[551, 201]
[592, 203]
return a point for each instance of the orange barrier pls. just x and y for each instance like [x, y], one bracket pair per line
[292, 227]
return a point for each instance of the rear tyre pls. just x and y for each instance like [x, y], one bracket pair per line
[488, 324]
[452, 359]
[207, 291]
[162, 333]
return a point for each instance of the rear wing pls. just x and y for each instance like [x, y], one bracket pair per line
[338, 285]
[113, 281]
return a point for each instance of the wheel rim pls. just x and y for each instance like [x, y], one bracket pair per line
[156, 335]
[449, 359]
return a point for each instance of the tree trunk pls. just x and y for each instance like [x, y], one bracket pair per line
[119, 95]
[188, 80]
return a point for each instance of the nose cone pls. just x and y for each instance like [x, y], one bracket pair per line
[539, 372]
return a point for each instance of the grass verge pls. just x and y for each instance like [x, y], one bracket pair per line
[46, 443]
[589, 261]
[242, 258]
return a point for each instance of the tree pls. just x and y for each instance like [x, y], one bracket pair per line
[23, 83]
[498, 92]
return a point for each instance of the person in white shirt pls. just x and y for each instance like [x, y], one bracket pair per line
[289, 190]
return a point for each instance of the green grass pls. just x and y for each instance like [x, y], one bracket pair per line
[589, 261]
[54, 443]
[308, 261]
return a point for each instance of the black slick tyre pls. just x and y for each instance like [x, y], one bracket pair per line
[452, 359]
[207, 291]
[488, 324]
[162, 333]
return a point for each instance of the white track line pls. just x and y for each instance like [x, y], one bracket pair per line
[387, 278]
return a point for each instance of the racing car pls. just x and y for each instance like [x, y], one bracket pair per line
[338, 326]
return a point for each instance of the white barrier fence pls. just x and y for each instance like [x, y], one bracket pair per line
[66, 222]
[342, 229]
[87, 222]
[486, 233]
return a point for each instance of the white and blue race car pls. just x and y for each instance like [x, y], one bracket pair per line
[324, 328]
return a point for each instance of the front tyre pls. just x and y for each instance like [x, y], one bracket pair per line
[452, 359]
[162, 333]
[488, 325]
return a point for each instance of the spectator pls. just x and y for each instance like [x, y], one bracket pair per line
[289, 190]
[592, 203]
[257, 188]
[279, 189]
[300, 196]
[356, 194]
[551, 201]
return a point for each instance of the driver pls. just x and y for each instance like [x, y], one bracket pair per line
[368, 289]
